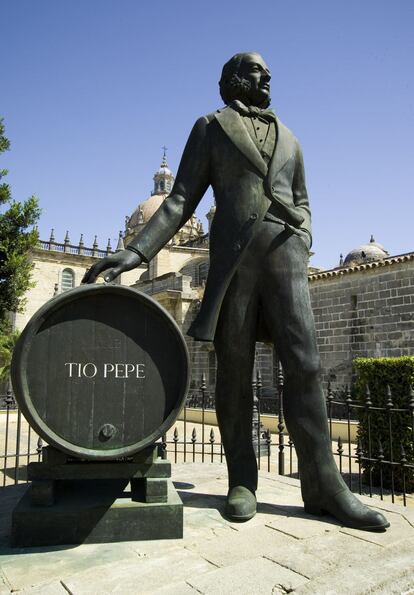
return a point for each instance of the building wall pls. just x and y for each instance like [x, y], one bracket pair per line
[367, 311]
[48, 268]
[174, 258]
[47, 272]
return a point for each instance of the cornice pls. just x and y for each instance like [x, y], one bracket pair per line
[341, 271]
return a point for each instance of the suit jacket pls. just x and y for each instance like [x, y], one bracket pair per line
[220, 152]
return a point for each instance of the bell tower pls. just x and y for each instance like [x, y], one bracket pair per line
[163, 178]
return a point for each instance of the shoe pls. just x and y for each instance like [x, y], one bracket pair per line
[241, 504]
[345, 507]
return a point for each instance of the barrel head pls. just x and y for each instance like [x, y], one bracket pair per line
[101, 371]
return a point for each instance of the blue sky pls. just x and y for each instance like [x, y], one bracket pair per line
[92, 89]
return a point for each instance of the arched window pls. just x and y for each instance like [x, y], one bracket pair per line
[68, 279]
[203, 272]
[197, 269]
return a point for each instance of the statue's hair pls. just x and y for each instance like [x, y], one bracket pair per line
[232, 85]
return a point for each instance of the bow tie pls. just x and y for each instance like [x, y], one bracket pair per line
[253, 112]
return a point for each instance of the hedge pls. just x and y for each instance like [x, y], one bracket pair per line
[390, 381]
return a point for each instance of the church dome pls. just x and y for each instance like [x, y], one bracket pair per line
[371, 252]
[163, 184]
[145, 210]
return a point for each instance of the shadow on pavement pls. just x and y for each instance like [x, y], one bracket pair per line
[218, 502]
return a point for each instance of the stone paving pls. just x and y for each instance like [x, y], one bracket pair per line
[281, 550]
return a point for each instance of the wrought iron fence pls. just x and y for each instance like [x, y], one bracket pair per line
[196, 438]
[18, 442]
[362, 463]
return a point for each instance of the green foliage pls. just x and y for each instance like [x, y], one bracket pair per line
[8, 339]
[4, 142]
[389, 380]
[17, 238]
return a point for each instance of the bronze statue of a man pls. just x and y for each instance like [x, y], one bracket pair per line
[257, 285]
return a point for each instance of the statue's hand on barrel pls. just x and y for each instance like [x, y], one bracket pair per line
[113, 265]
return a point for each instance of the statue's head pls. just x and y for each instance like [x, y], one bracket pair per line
[246, 77]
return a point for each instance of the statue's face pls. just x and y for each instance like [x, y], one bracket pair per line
[254, 69]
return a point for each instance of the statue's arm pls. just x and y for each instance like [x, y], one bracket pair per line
[300, 194]
[190, 184]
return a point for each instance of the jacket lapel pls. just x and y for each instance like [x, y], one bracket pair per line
[284, 149]
[232, 124]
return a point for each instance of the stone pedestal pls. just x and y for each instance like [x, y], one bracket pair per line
[72, 501]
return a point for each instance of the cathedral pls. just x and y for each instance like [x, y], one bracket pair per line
[362, 308]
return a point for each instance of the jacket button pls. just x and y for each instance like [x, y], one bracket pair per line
[253, 216]
[237, 246]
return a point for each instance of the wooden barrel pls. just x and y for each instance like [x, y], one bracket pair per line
[101, 371]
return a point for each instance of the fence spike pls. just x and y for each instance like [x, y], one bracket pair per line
[212, 438]
[280, 378]
[389, 404]
[380, 451]
[368, 402]
[193, 436]
[340, 449]
[258, 384]
[175, 436]
[348, 398]
[39, 446]
[9, 399]
[203, 381]
[330, 395]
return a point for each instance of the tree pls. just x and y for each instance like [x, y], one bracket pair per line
[17, 237]
[8, 339]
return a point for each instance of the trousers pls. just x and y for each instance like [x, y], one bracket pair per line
[271, 283]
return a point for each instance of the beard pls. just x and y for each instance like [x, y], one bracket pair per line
[242, 90]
